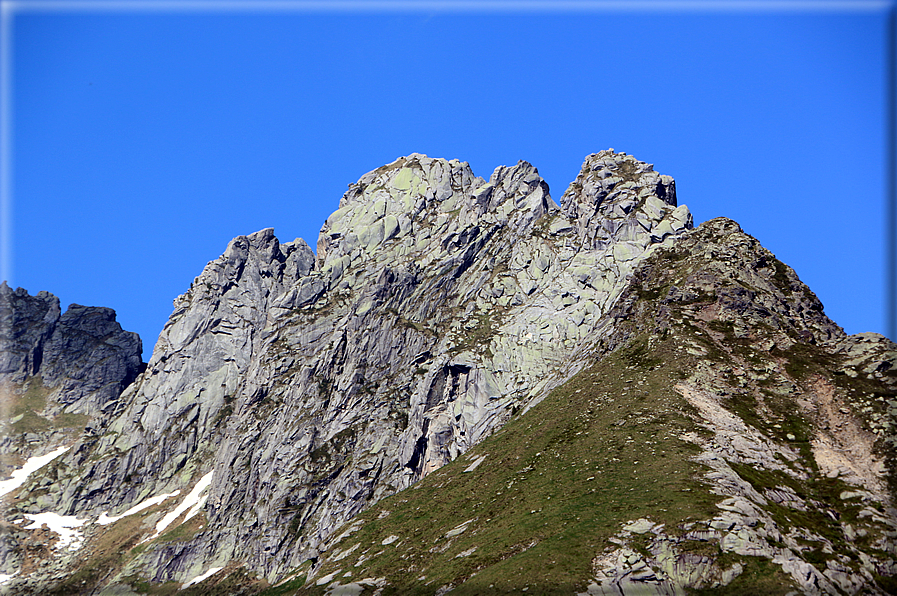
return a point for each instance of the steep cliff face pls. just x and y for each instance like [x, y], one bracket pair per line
[289, 392]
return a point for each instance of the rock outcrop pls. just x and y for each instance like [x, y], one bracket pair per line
[83, 354]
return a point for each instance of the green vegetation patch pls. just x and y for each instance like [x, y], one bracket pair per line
[34, 399]
[69, 420]
[31, 422]
[25, 409]
[185, 531]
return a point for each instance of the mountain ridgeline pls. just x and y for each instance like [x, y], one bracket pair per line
[468, 389]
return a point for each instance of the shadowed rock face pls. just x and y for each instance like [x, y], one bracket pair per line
[26, 323]
[83, 354]
[439, 303]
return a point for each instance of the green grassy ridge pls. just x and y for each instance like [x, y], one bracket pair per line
[556, 484]
[778, 416]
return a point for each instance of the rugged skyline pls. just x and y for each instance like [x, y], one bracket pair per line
[143, 142]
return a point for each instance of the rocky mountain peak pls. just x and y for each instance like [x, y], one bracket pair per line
[438, 305]
[289, 392]
[615, 197]
[59, 372]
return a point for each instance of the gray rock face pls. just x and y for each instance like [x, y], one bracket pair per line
[439, 303]
[26, 323]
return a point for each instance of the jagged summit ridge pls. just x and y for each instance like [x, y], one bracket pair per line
[609, 187]
[403, 201]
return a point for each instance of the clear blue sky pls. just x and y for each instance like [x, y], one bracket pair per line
[143, 141]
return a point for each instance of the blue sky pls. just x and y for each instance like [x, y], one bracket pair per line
[142, 141]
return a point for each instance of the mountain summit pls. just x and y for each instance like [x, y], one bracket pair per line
[472, 389]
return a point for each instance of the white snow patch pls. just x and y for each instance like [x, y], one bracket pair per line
[202, 577]
[5, 578]
[64, 525]
[105, 520]
[192, 500]
[33, 464]
[197, 507]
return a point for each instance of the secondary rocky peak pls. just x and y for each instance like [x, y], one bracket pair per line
[615, 197]
[518, 190]
[26, 322]
[604, 172]
[255, 257]
[252, 270]
[82, 355]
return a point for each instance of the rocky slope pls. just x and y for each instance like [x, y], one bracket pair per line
[289, 392]
[58, 373]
